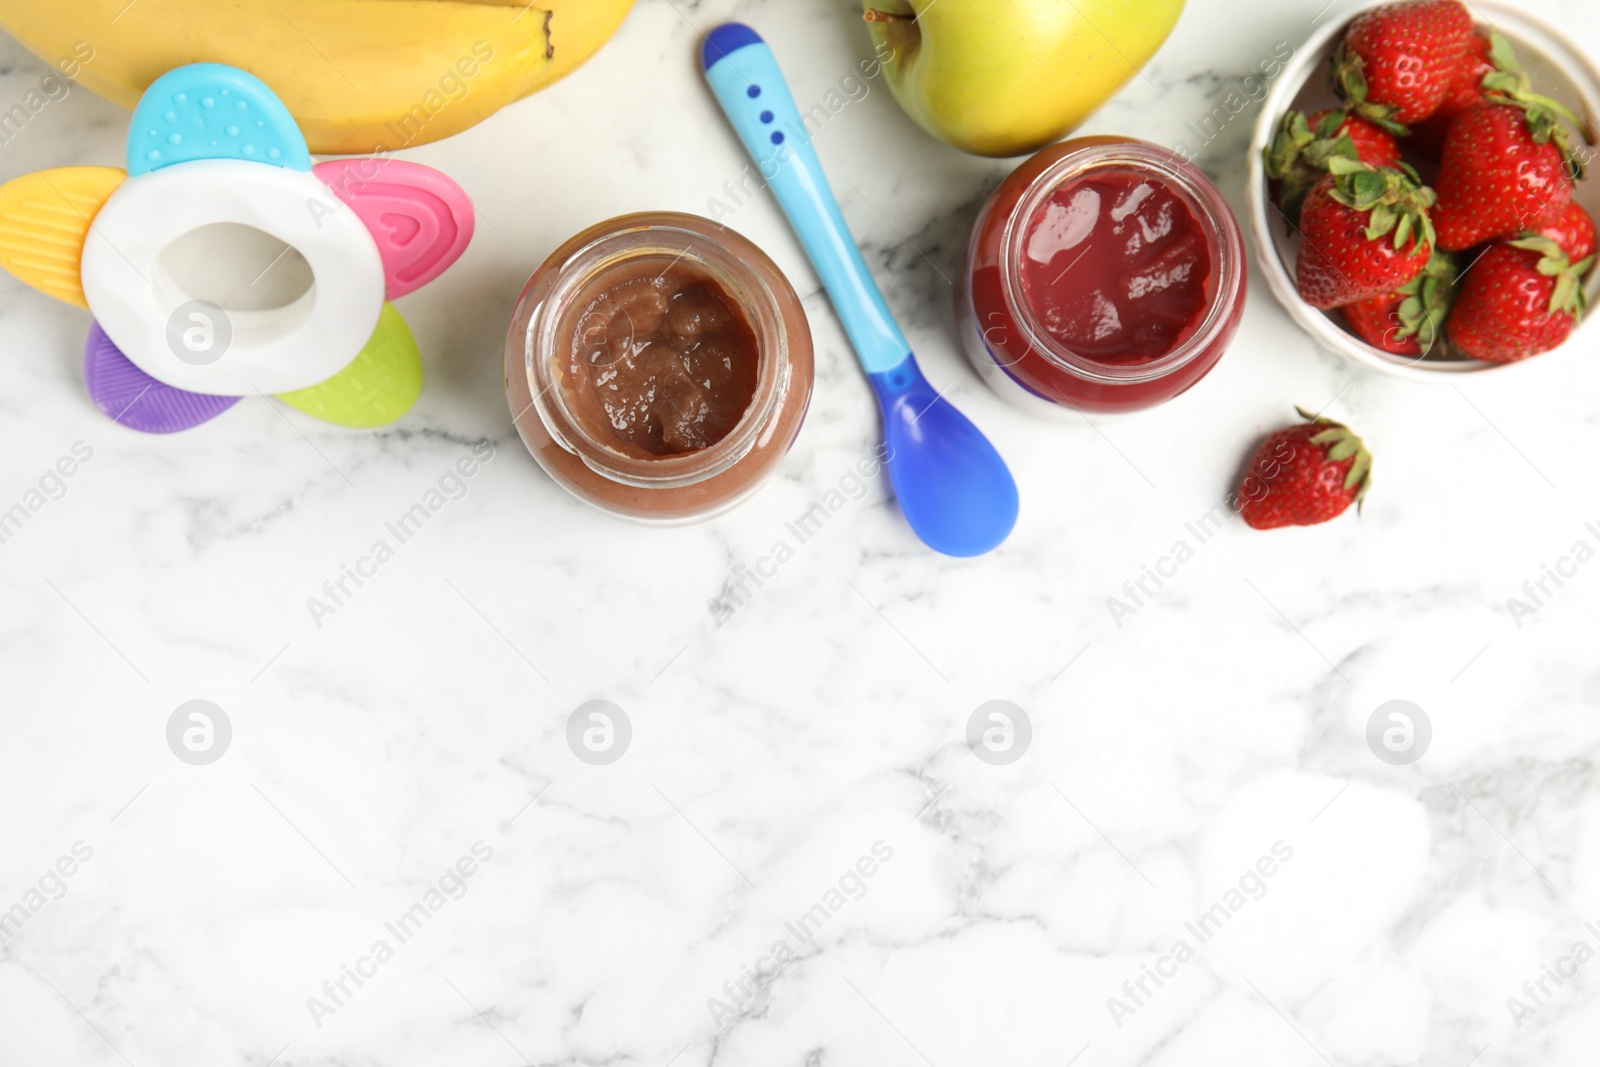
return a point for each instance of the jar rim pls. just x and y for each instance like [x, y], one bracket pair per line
[680, 238]
[1224, 241]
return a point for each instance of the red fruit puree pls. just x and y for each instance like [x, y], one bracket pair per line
[1104, 274]
[1115, 267]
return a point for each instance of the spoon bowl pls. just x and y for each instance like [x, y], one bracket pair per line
[954, 489]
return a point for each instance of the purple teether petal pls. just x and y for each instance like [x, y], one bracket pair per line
[134, 399]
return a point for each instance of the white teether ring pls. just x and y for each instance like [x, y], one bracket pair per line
[274, 351]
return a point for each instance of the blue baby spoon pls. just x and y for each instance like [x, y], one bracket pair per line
[952, 485]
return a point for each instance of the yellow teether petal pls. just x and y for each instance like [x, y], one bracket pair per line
[376, 388]
[44, 218]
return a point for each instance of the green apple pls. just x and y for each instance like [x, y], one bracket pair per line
[1005, 77]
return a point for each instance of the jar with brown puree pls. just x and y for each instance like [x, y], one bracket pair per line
[659, 366]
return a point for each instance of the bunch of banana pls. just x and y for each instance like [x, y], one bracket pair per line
[359, 76]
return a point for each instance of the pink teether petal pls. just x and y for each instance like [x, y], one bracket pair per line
[136, 400]
[420, 219]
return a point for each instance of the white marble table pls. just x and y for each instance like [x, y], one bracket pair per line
[821, 725]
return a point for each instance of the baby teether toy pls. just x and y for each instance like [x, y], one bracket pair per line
[212, 152]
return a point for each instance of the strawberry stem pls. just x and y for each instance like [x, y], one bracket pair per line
[1299, 156]
[1567, 297]
[1427, 301]
[1341, 443]
[1394, 199]
[1347, 77]
[1547, 119]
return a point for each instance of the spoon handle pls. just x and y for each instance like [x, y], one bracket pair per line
[748, 83]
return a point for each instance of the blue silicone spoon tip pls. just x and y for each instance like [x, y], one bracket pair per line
[953, 487]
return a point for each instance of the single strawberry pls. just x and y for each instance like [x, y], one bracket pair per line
[1305, 474]
[1397, 62]
[1519, 299]
[1508, 162]
[1466, 89]
[1497, 177]
[1408, 321]
[1573, 230]
[1364, 232]
[1298, 156]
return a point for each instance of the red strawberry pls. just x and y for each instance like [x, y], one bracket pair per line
[1497, 177]
[1346, 251]
[1397, 62]
[1298, 156]
[1466, 89]
[1573, 230]
[1305, 474]
[1508, 161]
[1519, 299]
[1376, 320]
[1409, 320]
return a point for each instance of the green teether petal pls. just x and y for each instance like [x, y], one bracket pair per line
[377, 387]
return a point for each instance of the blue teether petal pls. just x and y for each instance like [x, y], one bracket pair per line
[212, 111]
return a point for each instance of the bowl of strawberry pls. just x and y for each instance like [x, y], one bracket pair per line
[1418, 193]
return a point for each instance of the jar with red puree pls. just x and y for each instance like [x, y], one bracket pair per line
[1105, 274]
[659, 366]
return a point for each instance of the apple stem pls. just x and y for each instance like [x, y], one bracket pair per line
[872, 15]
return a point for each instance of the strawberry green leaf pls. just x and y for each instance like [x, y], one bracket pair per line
[1567, 297]
[1359, 474]
[1388, 196]
[1330, 124]
[1345, 448]
[1502, 55]
[1501, 83]
[1344, 445]
[1381, 221]
[1547, 119]
[1427, 301]
[1562, 296]
[1536, 242]
[1348, 79]
[1299, 156]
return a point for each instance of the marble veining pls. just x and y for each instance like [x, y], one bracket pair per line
[799, 739]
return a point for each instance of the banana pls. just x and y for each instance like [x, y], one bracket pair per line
[359, 76]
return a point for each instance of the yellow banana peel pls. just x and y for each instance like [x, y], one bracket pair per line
[359, 76]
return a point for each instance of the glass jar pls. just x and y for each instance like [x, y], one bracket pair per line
[643, 405]
[1100, 205]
